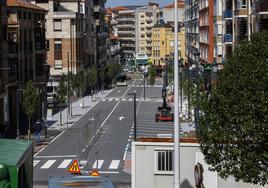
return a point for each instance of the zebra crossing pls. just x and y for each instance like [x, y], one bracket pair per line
[65, 163]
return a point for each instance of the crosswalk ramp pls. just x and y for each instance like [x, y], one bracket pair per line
[66, 163]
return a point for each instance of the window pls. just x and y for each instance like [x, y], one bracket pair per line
[164, 161]
[57, 25]
[58, 54]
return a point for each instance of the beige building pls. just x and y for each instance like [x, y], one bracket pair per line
[163, 43]
[145, 18]
[65, 33]
[26, 57]
[3, 68]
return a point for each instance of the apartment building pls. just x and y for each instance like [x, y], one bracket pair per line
[26, 57]
[206, 40]
[126, 33]
[163, 43]
[4, 119]
[145, 18]
[191, 28]
[64, 33]
[167, 12]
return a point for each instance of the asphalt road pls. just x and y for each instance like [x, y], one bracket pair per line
[109, 152]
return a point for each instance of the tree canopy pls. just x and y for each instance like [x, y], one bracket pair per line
[30, 98]
[152, 75]
[234, 127]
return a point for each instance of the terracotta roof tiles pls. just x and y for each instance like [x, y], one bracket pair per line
[23, 4]
[180, 5]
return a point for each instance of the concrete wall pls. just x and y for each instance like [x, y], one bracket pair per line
[168, 14]
[143, 168]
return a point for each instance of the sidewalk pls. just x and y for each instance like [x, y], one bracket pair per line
[54, 128]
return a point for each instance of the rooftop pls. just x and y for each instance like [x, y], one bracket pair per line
[180, 4]
[23, 4]
[182, 140]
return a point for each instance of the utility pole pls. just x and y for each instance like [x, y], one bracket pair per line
[176, 104]
[68, 82]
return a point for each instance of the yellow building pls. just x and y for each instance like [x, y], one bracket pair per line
[163, 43]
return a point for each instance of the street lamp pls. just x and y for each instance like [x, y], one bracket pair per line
[144, 74]
[180, 72]
[135, 115]
[197, 59]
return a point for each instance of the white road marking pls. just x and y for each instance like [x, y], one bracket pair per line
[65, 163]
[102, 172]
[103, 100]
[55, 156]
[121, 118]
[114, 164]
[137, 99]
[116, 99]
[124, 99]
[100, 163]
[110, 100]
[48, 164]
[35, 162]
[130, 99]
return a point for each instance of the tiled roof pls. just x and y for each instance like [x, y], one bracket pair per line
[23, 4]
[180, 4]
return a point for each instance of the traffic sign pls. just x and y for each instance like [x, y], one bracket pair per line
[74, 168]
[94, 173]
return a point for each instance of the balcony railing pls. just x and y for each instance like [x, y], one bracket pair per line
[228, 38]
[228, 14]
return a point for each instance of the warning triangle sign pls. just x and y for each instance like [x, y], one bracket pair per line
[74, 168]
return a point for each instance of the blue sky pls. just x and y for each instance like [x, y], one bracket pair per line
[112, 3]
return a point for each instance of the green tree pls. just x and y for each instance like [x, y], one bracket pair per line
[62, 94]
[30, 102]
[234, 127]
[92, 77]
[152, 75]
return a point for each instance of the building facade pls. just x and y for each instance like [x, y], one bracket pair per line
[126, 33]
[64, 33]
[26, 58]
[167, 12]
[163, 43]
[145, 18]
[4, 119]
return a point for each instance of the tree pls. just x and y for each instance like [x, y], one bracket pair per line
[61, 94]
[81, 83]
[234, 127]
[92, 77]
[152, 75]
[30, 102]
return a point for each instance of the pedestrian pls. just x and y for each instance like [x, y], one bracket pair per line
[37, 128]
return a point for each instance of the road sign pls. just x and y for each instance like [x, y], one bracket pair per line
[94, 173]
[74, 168]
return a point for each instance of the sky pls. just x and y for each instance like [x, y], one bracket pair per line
[112, 3]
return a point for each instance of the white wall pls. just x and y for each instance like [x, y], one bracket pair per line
[143, 165]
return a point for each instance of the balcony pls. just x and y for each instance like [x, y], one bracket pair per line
[12, 47]
[228, 14]
[228, 38]
[261, 6]
[242, 12]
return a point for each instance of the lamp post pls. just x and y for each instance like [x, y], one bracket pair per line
[180, 72]
[135, 115]
[144, 74]
[176, 103]
[197, 59]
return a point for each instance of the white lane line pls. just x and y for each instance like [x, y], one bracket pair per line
[137, 99]
[48, 164]
[35, 162]
[65, 163]
[130, 99]
[114, 164]
[110, 100]
[124, 99]
[55, 156]
[117, 99]
[100, 163]
[103, 100]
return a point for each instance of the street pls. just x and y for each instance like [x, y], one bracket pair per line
[109, 150]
